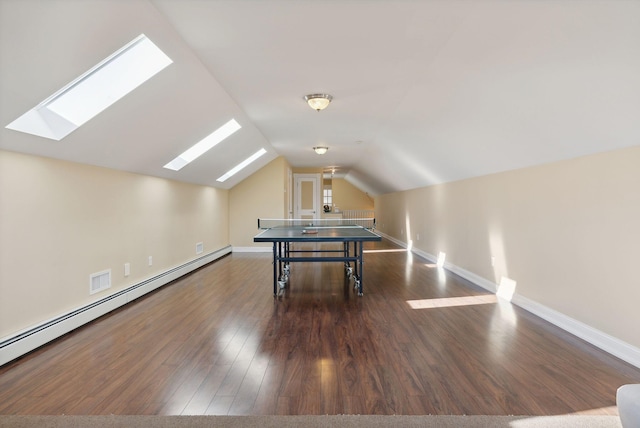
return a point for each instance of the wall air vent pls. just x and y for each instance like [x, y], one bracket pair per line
[99, 281]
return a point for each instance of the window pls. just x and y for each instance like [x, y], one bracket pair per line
[94, 91]
[203, 145]
[242, 165]
[327, 199]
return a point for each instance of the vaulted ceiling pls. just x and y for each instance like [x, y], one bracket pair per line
[424, 92]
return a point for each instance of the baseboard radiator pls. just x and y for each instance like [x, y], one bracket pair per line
[26, 341]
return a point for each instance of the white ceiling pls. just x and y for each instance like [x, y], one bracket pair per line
[424, 92]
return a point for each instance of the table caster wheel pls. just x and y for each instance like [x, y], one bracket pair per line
[282, 285]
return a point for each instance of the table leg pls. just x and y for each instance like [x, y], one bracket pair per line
[287, 267]
[361, 261]
[355, 264]
[280, 259]
[347, 265]
[275, 270]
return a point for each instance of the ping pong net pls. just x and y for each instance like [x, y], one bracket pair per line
[270, 223]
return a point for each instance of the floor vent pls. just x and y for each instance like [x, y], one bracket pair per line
[99, 281]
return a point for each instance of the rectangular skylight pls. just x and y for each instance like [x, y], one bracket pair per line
[242, 165]
[94, 91]
[203, 145]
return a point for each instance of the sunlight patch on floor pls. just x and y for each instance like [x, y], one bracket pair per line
[390, 250]
[447, 302]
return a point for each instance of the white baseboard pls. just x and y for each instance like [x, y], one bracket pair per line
[27, 340]
[23, 342]
[392, 239]
[607, 343]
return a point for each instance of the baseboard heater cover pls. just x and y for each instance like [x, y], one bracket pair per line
[26, 341]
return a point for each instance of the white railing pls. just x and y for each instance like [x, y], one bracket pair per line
[367, 218]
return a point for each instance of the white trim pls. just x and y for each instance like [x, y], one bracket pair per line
[392, 239]
[27, 340]
[317, 195]
[470, 276]
[604, 341]
[595, 337]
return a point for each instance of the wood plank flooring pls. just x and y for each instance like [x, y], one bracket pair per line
[217, 342]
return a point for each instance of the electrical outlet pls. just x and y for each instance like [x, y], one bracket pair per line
[417, 236]
[150, 260]
[127, 269]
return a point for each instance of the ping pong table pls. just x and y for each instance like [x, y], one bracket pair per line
[284, 233]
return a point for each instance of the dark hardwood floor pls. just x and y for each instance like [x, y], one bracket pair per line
[217, 342]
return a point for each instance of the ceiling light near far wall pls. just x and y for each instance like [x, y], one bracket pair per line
[318, 101]
[321, 150]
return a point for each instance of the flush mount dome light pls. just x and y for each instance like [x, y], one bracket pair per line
[321, 150]
[318, 101]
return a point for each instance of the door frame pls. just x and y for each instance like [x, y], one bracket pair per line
[289, 193]
[316, 178]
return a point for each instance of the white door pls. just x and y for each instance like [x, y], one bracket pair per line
[307, 196]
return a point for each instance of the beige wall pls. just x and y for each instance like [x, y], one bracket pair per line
[567, 232]
[264, 194]
[346, 196]
[61, 222]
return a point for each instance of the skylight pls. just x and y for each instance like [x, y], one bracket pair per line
[94, 91]
[242, 165]
[203, 145]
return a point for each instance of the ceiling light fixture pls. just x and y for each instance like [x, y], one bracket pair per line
[321, 150]
[318, 101]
